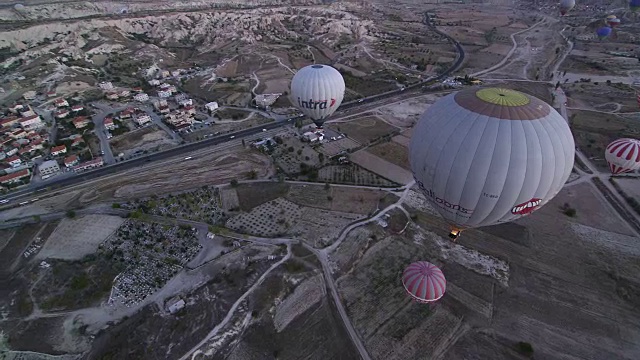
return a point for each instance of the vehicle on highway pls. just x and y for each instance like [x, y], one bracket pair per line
[23, 203]
[361, 100]
[4, 201]
[188, 158]
[232, 137]
[264, 130]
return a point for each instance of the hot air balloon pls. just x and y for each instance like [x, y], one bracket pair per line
[424, 281]
[317, 90]
[603, 32]
[634, 5]
[485, 156]
[623, 155]
[566, 5]
[18, 7]
[614, 22]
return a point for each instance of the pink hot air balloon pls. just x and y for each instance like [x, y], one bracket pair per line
[424, 281]
[623, 155]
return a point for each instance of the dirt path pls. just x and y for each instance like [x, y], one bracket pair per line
[194, 352]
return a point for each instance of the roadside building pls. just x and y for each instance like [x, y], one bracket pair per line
[71, 161]
[62, 113]
[164, 109]
[105, 85]
[51, 94]
[60, 102]
[126, 114]
[31, 123]
[14, 177]
[80, 122]
[157, 104]
[175, 304]
[77, 142]
[48, 168]
[165, 73]
[186, 102]
[13, 161]
[141, 97]
[179, 97]
[137, 89]
[164, 93]
[92, 164]
[124, 93]
[112, 96]
[8, 121]
[108, 123]
[142, 119]
[212, 106]
[58, 150]
[18, 134]
[26, 112]
[154, 82]
[313, 136]
[29, 95]
[77, 108]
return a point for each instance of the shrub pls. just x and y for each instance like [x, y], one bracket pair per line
[71, 214]
[571, 212]
[115, 206]
[234, 183]
[525, 348]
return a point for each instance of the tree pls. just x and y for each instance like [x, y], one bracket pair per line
[243, 143]
[321, 157]
[327, 186]
[71, 214]
[252, 174]
[115, 206]
[234, 183]
[525, 348]
[36, 218]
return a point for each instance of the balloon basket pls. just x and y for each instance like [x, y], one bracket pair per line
[454, 234]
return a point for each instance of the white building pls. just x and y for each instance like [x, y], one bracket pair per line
[164, 93]
[106, 85]
[31, 122]
[159, 103]
[49, 168]
[313, 137]
[29, 95]
[179, 97]
[124, 93]
[212, 106]
[142, 119]
[186, 102]
[141, 97]
[154, 82]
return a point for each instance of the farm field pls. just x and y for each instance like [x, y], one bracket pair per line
[392, 152]
[335, 147]
[364, 130]
[382, 167]
[352, 174]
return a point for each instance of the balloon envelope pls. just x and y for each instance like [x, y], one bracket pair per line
[317, 91]
[603, 32]
[18, 6]
[485, 156]
[634, 5]
[613, 22]
[566, 5]
[424, 281]
[623, 155]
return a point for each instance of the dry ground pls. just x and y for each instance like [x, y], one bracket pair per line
[567, 288]
[406, 113]
[382, 167]
[363, 130]
[143, 139]
[593, 131]
[630, 187]
[601, 96]
[75, 238]
[392, 152]
[213, 166]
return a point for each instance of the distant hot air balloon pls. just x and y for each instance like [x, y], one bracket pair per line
[566, 5]
[623, 155]
[634, 5]
[485, 156]
[18, 7]
[424, 281]
[317, 90]
[603, 32]
[613, 22]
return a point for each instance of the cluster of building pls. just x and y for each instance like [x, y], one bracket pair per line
[164, 90]
[137, 93]
[23, 138]
[179, 118]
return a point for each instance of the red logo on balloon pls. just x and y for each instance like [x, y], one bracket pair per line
[526, 207]
[333, 102]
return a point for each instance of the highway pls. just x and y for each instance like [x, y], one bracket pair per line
[184, 149]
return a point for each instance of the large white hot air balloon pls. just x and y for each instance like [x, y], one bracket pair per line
[485, 156]
[566, 5]
[18, 7]
[317, 90]
[623, 155]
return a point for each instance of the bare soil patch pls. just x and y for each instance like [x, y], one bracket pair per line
[364, 130]
[382, 167]
[75, 238]
[358, 201]
[254, 194]
[146, 137]
[393, 152]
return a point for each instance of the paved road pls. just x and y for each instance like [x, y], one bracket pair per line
[101, 132]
